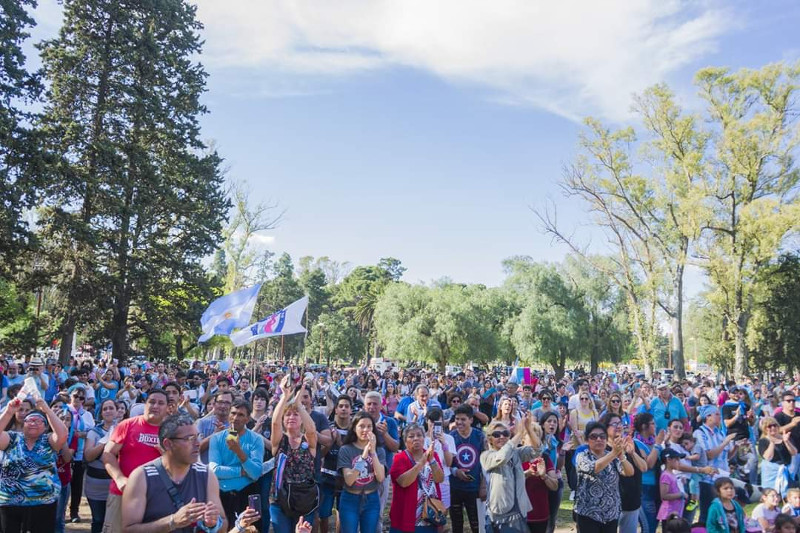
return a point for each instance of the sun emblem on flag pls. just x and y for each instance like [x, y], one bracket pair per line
[228, 314]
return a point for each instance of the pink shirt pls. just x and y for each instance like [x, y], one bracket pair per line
[670, 506]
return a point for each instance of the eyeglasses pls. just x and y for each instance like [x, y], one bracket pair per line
[614, 401]
[615, 425]
[190, 438]
[502, 433]
[584, 399]
[598, 436]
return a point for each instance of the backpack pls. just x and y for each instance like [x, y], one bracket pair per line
[296, 498]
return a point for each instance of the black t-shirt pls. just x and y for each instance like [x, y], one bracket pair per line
[781, 455]
[630, 488]
[784, 419]
[740, 428]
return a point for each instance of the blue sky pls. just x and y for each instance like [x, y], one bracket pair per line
[427, 130]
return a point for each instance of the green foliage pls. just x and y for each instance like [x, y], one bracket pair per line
[752, 186]
[451, 324]
[21, 158]
[18, 328]
[774, 336]
[334, 338]
[138, 201]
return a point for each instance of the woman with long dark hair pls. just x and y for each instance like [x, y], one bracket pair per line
[362, 466]
[98, 481]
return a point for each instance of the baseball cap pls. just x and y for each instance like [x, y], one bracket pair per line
[671, 453]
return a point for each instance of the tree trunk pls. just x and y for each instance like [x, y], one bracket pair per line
[740, 361]
[119, 332]
[179, 347]
[65, 350]
[678, 361]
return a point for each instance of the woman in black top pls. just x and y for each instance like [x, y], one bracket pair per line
[776, 450]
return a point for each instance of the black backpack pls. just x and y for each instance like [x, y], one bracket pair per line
[297, 498]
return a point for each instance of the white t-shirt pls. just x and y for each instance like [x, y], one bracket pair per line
[761, 511]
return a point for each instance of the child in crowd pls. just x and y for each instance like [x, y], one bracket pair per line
[725, 515]
[675, 524]
[767, 511]
[792, 507]
[687, 443]
[672, 496]
[785, 524]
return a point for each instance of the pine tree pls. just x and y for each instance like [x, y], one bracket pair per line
[20, 162]
[140, 199]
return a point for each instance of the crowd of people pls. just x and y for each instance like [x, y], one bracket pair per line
[223, 447]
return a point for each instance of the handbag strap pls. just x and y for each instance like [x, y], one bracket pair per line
[168, 484]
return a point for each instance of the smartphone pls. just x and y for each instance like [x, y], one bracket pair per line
[254, 502]
[437, 429]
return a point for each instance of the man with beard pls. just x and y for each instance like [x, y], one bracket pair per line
[147, 503]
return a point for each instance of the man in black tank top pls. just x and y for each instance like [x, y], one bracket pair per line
[147, 504]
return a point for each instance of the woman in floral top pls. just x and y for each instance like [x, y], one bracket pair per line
[597, 502]
[29, 483]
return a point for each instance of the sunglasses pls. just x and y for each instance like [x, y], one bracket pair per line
[502, 433]
[615, 401]
[547, 398]
[770, 426]
[79, 397]
[790, 400]
[598, 436]
[584, 399]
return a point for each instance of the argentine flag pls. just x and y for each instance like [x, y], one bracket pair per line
[228, 312]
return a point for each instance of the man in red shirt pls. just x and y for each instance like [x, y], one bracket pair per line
[133, 443]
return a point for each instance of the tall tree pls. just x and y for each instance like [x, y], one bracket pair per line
[21, 169]
[140, 199]
[752, 187]
[774, 334]
[603, 177]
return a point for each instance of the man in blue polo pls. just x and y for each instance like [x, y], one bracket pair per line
[665, 408]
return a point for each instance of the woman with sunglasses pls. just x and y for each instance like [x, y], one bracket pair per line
[599, 467]
[776, 451]
[614, 406]
[508, 502]
[29, 482]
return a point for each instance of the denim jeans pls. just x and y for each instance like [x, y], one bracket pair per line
[265, 484]
[359, 512]
[629, 521]
[61, 508]
[554, 502]
[98, 508]
[282, 523]
[649, 508]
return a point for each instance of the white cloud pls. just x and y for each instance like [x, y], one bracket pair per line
[261, 239]
[570, 57]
